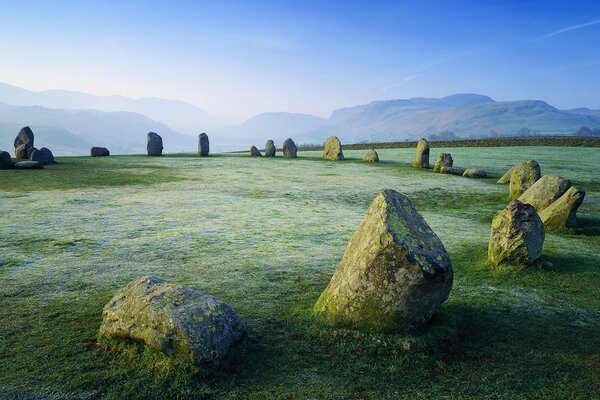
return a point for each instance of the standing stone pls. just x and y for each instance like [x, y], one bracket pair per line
[43, 155]
[443, 160]
[270, 149]
[421, 158]
[203, 145]
[155, 144]
[99, 152]
[474, 173]
[371, 156]
[517, 236]
[333, 149]
[504, 179]
[563, 212]
[254, 152]
[172, 319]
[522, 176]
[545, 191]
[394, 272]
[23, 143]
[5, 161]
[289, 148]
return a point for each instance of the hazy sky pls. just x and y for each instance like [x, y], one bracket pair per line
[236, 59]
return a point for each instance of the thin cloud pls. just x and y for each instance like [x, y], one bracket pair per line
[568, 29]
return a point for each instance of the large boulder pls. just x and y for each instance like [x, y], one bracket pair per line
[99, 152]
[421, 158]
[172, 319]
[270, 149]
[517, 236]
[445, 169]
[203, 145]
[254, 152]
[545, 191]
[23, 143]
[371, 156]
[5, 161]
[333, 149]
[563, 212]
[505, 179]
[155, 144]
[29, 165]
[474, 173]
[522, 176]
[43, 155]
[443, 160]
[394, 272]
[289, 148]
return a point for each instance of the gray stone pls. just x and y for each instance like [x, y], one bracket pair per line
[289, 148]
[333, 149]
[452, 170]
[522, 176]
[421, 158]
[99, 152]
[474, 173]
[371, 156]
[43, 155]
[29, 165]
[394, 272]
[5, 161]
[155, 144]
[270, 149]
[254, 152]
[517, 236]
[203, 145]
[563, 212]
[504, 179]
[545, 191]
[23, 143]
[443, 160]
[172, 319]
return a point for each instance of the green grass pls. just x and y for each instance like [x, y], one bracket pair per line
[265, 235]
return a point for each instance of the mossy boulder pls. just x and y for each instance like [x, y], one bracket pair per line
[421, 158]
[394, 273]
[154, 145]
[371, 156]
[545, 191]
[443, 160]
[24, 143]
[289, 148]
[452, 170]
[172, 319]
[254, 152]
[505, 179]
[270, 149]
[474, 173]
[203, 145]
[563, 212]
[522, 176]
[517, 236]
[333, 149]
[5, 161]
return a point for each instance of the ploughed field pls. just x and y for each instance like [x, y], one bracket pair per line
[265, 235]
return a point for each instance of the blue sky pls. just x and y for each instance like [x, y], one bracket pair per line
[236, 59]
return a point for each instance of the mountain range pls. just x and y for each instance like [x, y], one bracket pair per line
[71, 122]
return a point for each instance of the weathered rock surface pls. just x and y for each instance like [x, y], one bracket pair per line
[23, 143]
[99, 152]
[474, 173]
[443, 160]
[394, 272]
[545, 191]
[289, 148]
[154, 145]
[270, 149]
[203, 145]
[504, 179]
[333, 149]
[43, 155]
[563, 212]
[173, 319]
[254, 152]
[522, 176]
[29, 165]
[452, 170]
[421, 158]
[5, 161]
[371, 156]
[517, 236]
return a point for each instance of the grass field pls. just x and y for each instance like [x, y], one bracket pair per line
[265, 235]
